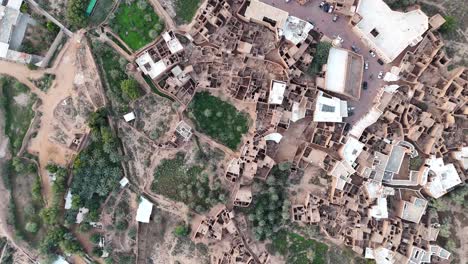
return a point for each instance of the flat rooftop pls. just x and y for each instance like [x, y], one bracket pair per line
[390, 31]
[259, 11]
[344, 73]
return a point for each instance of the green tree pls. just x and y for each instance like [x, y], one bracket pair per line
[51, 27]
[76, 13]
[130, 88]
[181, 230]
[95, 238]
[31, 227]
[450, 25]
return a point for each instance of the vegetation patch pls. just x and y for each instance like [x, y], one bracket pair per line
[39, 37]
[178, 181]
[136, 23]
[45, 82]
[120, 87]
[270, 209]
[76, 13]
[96, 169]
[319, 58]
[100, 12]
[218, 119]
[17, 102]
[298, 249]
[185, 10]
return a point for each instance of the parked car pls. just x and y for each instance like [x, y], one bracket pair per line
[366, 65]
[364, 85]
[354, 48]
[372, 53]
[330, 9]
[379, 61]
[322, 4]
[335, 18]
[325, 7]
[380, 76]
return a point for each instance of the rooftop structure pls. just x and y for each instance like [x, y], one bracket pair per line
[9, 16]
[129, 117]
[442, 177]
[352, 149]
[123, 182]
[295, 29]
[330, 109]
[277, 92]
[412, 211]
[150, 67]
[265, 14]
[389, 32]
[68, 200]
[344, 73]
[145, 208]
[172, 42]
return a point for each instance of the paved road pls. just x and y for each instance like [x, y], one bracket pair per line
[323, 22]
[50, 17]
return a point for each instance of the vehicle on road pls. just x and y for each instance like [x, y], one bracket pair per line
[379, 61]
[364, 85]
[372, 53]
[335, 18]
[366, 65]
[354, 48]
[380, 76]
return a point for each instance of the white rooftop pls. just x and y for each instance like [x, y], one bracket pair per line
[379, 210]
[68, 200]
[335, 76]
[388, 31]
[81, 214]
[4, 49]
[330, 109]
[144, 210]
[15, 4]
[60, 260]
[129, 117]
[172, 42]
[295, 29]
[276, 137]
[414, 210]
[277, 92]
[462, 156]
[298, 110]
[352, 149]
[446, 177]
[149, 66]
[123, 182]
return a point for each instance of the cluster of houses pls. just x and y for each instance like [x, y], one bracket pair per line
[383, 169]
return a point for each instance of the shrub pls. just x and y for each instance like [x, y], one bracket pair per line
[181, 230]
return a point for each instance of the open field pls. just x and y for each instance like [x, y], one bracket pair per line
[185, 10]
[218, 119]
[155, 116]
[136, 24]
